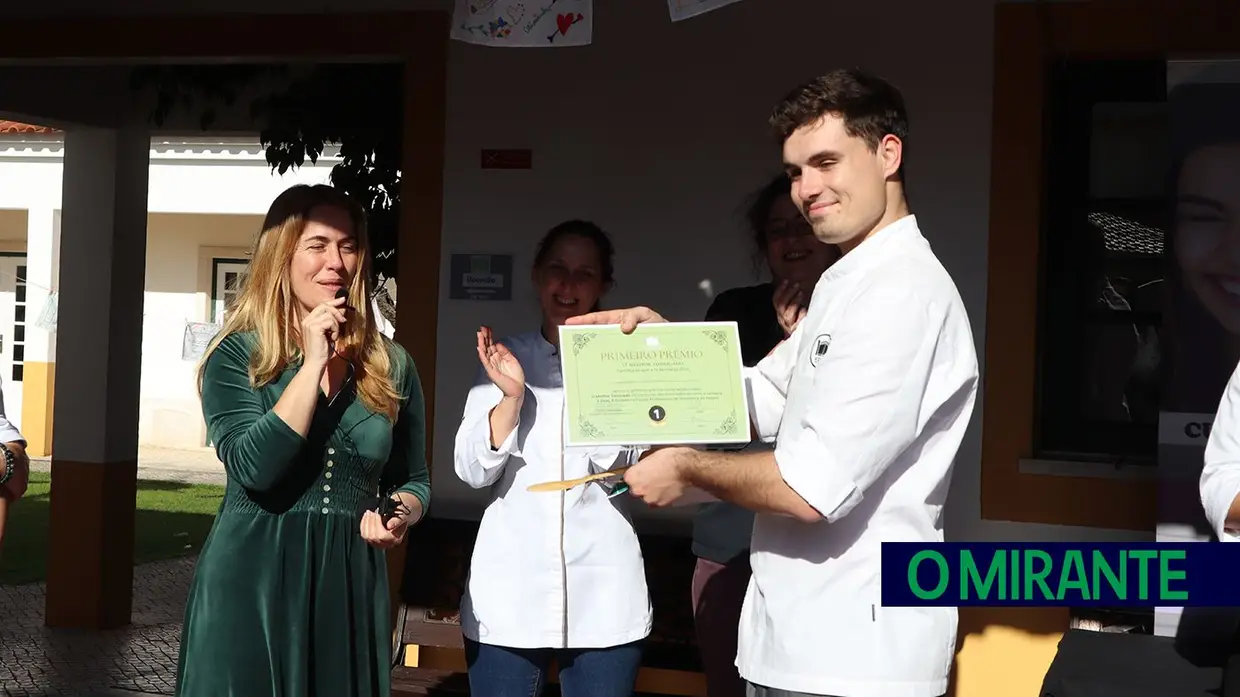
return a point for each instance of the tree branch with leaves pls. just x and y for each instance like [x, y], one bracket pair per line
[299, 113]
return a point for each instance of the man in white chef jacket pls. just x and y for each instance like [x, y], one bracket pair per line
[868, 401]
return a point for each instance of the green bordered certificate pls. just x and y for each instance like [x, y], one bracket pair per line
[675, 383]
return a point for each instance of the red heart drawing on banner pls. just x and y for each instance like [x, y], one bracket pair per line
[563, 22]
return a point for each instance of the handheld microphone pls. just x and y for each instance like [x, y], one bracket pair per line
[343, 293]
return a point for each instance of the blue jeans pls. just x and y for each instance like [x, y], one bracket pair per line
[497, 671]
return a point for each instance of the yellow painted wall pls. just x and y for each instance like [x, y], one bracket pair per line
[38, 388]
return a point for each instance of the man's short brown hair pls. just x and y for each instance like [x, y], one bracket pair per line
[870, 107]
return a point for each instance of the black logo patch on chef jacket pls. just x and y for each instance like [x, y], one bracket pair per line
[821, 343]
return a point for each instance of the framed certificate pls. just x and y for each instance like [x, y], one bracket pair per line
[673, 383]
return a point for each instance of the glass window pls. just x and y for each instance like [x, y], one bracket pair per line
[1103, 261]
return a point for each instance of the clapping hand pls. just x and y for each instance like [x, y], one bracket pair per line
[789, 304]
[501, 366]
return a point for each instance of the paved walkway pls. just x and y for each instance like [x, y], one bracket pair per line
[197, 466]
[137, 660]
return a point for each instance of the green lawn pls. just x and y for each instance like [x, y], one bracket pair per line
[173, 520]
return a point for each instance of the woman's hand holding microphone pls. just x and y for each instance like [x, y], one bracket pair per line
[320, 330]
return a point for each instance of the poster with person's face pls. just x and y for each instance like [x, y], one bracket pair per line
[1201, 321]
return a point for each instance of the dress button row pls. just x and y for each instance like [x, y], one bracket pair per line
[328, 475]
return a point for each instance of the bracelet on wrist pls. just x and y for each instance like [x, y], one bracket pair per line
[9, 466]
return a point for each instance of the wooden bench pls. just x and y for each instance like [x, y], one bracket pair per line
[437, 565]
[424, 682]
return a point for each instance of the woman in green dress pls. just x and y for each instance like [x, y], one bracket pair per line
[319, 422]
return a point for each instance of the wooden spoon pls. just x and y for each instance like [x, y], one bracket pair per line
[570, 483]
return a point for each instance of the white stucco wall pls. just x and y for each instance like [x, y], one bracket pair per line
[178, 290]
[205, 201]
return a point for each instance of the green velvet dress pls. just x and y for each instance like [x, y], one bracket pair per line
[287, 599]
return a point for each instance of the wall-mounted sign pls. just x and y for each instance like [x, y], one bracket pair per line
[507, 159]
[47, 317]
[197, 337]
[481, 277]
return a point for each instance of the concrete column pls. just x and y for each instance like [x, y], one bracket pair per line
[95, 447]
[418, 248]
[39, 372]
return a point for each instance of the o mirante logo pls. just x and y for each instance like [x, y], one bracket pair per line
[1088, 574]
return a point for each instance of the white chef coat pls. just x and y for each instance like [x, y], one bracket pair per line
[549, 569]
[1220, 477]
[869, 400]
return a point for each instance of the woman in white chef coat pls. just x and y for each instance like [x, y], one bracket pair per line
[1220, 477]
[1205, 331]
[554, 574]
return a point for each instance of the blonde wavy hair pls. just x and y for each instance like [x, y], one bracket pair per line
[266, 306]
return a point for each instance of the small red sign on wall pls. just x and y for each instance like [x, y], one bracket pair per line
[507, 159]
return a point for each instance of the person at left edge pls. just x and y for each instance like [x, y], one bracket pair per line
[316, 416]
[14, 467]
[553, 574]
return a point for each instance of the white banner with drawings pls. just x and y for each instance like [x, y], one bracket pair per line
[523, 23]
[684, 9]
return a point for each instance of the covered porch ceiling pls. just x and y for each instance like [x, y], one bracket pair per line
[108, 8]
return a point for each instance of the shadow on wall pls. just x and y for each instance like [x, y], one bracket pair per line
[1005, 650]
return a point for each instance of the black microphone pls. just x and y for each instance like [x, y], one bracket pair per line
[343, 293]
